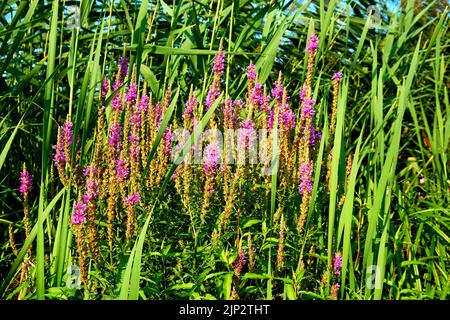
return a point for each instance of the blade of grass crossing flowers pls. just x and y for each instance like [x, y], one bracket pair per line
[46, 135]
[345, 220]
[9, 142]
[337, 155]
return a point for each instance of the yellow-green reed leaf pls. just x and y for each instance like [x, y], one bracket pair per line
[9, 143]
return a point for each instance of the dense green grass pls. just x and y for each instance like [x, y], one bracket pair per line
[388, 211]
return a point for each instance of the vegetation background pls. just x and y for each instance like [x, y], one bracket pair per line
[395, 124]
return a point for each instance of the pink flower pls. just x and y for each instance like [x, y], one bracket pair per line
[306, 185]
[219, 62]
[211, 159]
[117, 103]
[337, 76]
[114, 138]
[251, 73]
[337, 263]
[256, 96]
[143, 104]
[211, 96]
[131, 94]
[78, 214]
[25, 182]
[67, 134]
[312, 44]
[121, 169]
[105, 87]
[278, 91]
[247, 135]
[134, 146]
[168, 139]
[132, 199]
[308, 108]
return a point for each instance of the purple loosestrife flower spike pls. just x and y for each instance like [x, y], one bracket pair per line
[308, 109]
[211, 160]
[251, 73]
[211, 96]
[158, 114]
[67, 135]
[191, 104]
[241, 260]
[247, 135]
[114, 138]
[25, 182]
[105, 87]
[78, 214]
[134, 146]
[256, 96]
[219, 62]
[337, 263]
[306, 184]
[312, 44]
[92, 191]
[117, 103]
[168, 139]
[287, 118]
[143, 103]
[131, 94]
[121, 169]
[337, 76]
[123, 67]
[278, 91]
[132, 199]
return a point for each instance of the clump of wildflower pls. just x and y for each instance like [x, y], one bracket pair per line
[286, 118]
[278, 91]
[191, 105]
[78, 214]
[117, 103]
